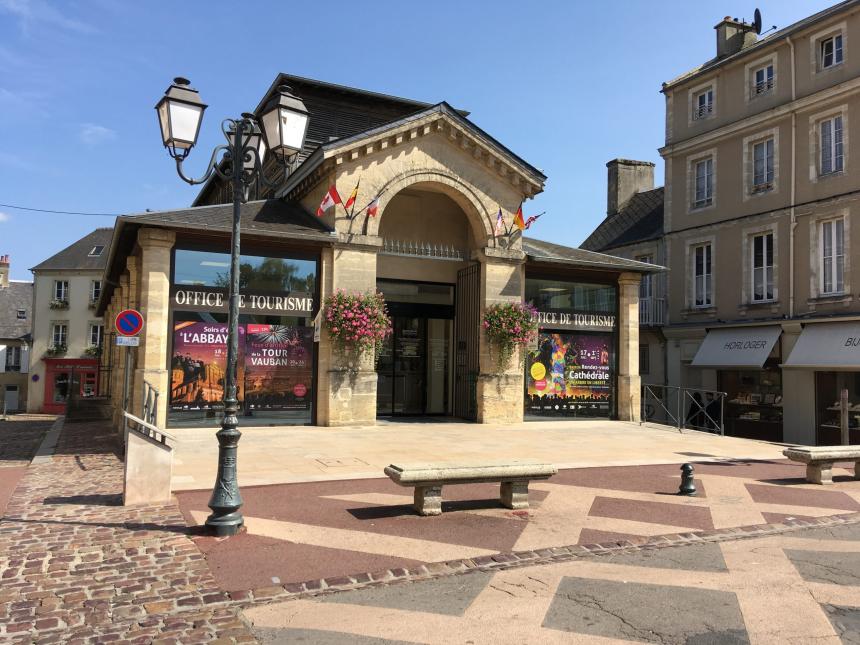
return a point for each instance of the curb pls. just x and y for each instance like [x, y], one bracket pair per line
[45, 453]
[515, 559]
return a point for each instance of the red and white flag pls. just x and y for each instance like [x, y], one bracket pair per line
[373, 207]
[331, 198]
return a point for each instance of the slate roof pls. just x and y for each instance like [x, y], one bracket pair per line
[540, 251]
[77, 256]
[265, 218]
[639, 220]
[18, 295]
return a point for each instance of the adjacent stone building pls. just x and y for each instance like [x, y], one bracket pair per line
[67, 332]
[433, 250]
[16, 313]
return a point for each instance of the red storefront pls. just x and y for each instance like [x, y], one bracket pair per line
[60, 373]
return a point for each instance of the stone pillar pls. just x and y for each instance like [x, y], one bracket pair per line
[346, 392]
[500, 393]
[152, 359]
[629, 382]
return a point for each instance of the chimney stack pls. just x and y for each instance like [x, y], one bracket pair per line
[626, 178]
[733, 35]
[4, 271]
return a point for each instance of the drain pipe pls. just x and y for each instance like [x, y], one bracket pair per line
[793, 216]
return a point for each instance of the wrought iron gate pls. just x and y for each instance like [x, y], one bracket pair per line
[467, 323]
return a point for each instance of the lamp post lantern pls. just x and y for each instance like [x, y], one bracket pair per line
[240, 162]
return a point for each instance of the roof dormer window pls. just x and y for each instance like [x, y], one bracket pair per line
[97, 250]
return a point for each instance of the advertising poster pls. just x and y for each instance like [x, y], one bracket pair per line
[198, 365]
[570, 374]
[278, 367]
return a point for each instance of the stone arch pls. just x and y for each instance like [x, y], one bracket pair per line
[463, 194]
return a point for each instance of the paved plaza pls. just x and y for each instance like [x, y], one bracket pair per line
[605, 554]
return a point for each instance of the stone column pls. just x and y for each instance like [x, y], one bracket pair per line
[152, 359]
[629, 382]
[346, 392]
[500, 393]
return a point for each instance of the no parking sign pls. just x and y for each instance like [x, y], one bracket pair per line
[128, 322]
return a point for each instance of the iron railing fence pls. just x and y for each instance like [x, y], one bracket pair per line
[684, 407]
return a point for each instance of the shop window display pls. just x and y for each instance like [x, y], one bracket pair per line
[828, 389]
[753, 402]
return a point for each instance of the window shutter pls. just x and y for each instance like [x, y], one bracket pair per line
[2, 358]
[826, 147]
[25, 359]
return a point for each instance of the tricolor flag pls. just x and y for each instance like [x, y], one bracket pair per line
[352, 197]
[331, 198]
[500, 223]
[518, 219]
[373, 207]
[532, 219]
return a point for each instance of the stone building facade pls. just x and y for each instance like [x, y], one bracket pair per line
[16, 316]
[433, 251]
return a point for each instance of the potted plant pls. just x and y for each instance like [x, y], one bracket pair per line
[59, 304]
[93, 351]
[56, 350]
[358, 323]
[508, 326]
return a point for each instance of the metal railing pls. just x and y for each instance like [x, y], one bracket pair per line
[684, 407]
[652, 311]
[138, 425]
[150, 403]
[702, 111]
[422, 249]
[764, 86]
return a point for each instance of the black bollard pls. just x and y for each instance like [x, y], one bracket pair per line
[688, 486]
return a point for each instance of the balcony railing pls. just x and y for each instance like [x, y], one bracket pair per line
[409, 248]
[764, 86]
[652, 311]
[703, 111]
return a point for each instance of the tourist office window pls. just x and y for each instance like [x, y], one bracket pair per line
[832, 257]
[702, 277]
[570, 369]
[703, 194]
[763, 165]
[830, 135]
[276, 348]
[762, 267]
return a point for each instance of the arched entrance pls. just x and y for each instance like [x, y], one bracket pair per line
[427, 242]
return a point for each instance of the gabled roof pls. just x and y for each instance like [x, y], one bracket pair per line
[755, 48]
[76, 257]
[17, 296]
[640, 219]
[540, 251]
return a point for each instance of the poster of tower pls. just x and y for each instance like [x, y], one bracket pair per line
[278, 367]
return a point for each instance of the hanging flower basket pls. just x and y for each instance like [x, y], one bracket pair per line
[508, 326]
[357, 322]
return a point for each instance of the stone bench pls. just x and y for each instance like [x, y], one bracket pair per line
[819, 460]
[428, 479]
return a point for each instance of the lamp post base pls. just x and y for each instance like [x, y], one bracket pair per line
[225, 525]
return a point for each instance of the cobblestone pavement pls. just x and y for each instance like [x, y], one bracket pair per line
[20, 436]
[78, 567]
[797, 587]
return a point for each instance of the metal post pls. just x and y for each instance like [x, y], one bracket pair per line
[843, 416]
[722, 396]
[126, 383]
[680, 409]
[226, 499]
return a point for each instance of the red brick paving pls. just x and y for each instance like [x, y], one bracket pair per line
[78, 567]
[694, 517]
[802, 497]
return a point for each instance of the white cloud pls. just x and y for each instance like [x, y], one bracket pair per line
[4, 217]
[39, 12]
[93, 134]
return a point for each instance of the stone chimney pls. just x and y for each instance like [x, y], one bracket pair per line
[626, 178]
[733, 35]
[4, 271]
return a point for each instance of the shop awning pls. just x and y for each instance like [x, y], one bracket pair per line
[827, 346]
[737, 347]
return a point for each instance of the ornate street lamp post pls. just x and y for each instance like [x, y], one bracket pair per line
[240, 162]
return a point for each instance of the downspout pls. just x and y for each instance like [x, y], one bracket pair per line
[793, 217]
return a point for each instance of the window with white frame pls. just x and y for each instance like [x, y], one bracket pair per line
[703, 182]
[61, 290]
[763, 80]
[13, 358]
[703, 104]
[96, 334]
[59, 334]
[763, 165]
[95, 290]
[21, 314]
[830, 143]
[97, 250]
[702, 276]
[646, 287]
[832, 253]
[831, 51]
[761, 261]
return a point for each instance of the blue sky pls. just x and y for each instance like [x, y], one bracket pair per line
[567, 87]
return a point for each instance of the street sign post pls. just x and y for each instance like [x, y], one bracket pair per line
[128, 324]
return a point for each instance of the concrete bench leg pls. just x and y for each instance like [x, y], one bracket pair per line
[821, 473]
[428, 500]
[857, 469]
[515, 494]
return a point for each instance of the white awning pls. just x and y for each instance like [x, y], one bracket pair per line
[737, 347]
[827, 346]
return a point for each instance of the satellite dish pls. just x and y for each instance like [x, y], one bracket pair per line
[757, 21]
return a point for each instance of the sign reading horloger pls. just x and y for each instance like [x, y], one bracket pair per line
[207, 299]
